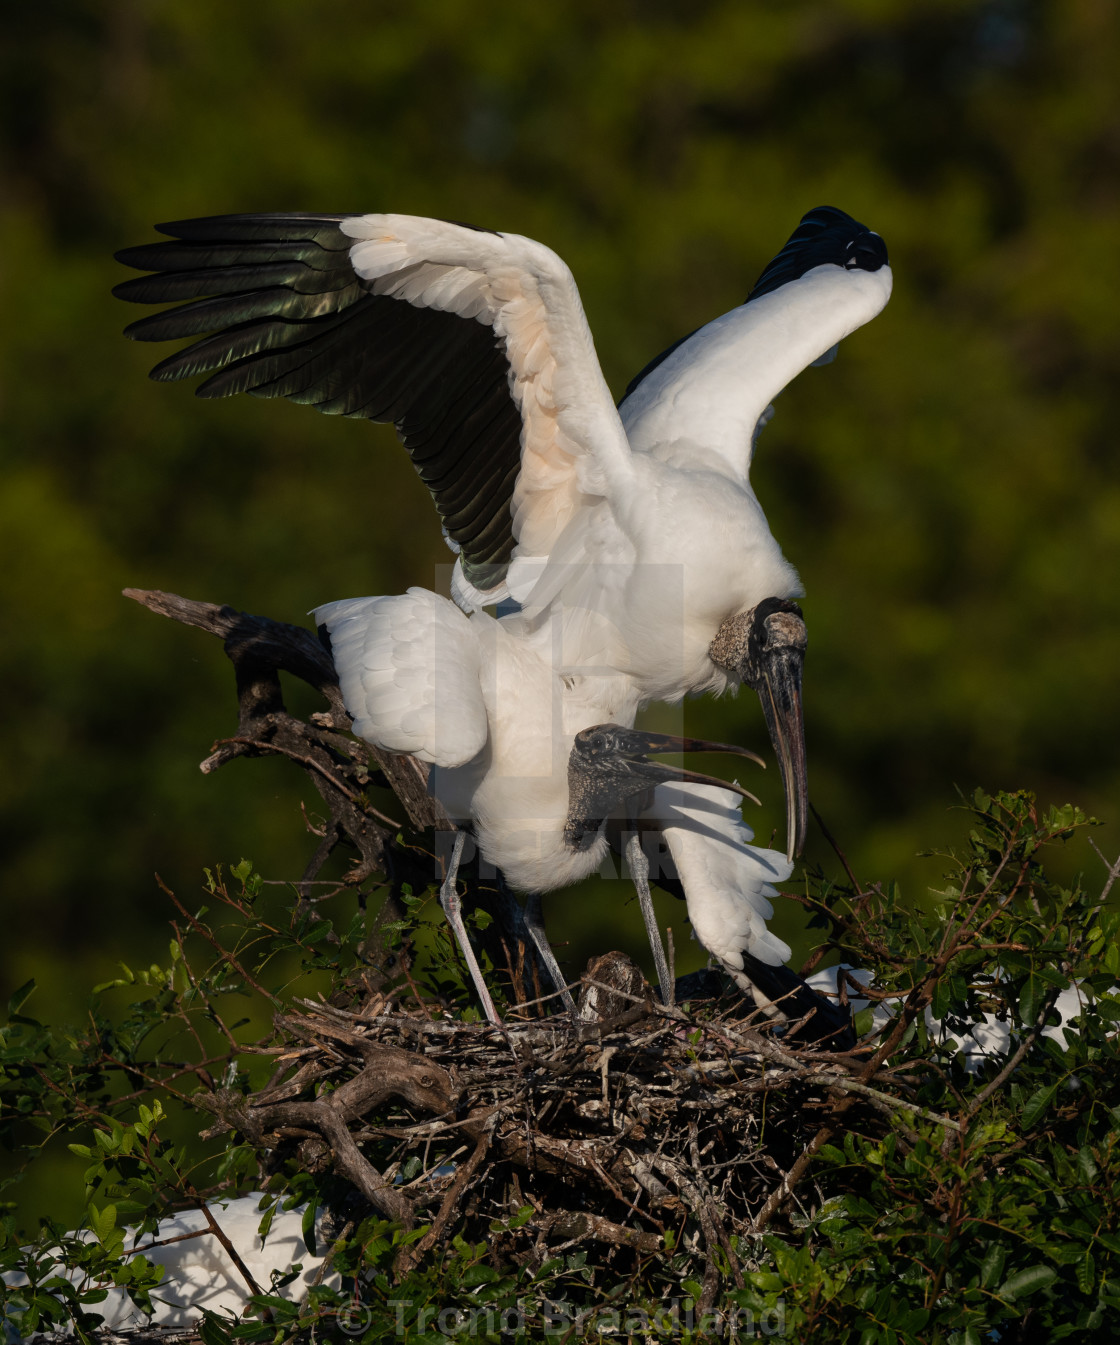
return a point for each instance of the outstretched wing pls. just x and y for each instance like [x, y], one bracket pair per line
[713, 388]
[474, 344]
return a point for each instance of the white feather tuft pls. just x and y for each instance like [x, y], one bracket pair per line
[408, 667]
[728, 882]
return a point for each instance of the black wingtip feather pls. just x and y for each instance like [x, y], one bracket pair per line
[279, 226]
[825, 235]
[280, 313]
[826, 1023]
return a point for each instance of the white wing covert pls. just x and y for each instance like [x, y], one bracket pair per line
[409, 670]
[474, 344]
[572, 441]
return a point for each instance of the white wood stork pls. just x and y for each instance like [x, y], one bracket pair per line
[630, 537]
[639, 524]
[520, 750]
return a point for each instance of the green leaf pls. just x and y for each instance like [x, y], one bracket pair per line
[1086, 1165]
[20, 998]
[1030, 998]
[103, 1222]
[480, 1274]
[265, 1225]
[320, 930]
[1036, 1105]
[213, 1331]
[307, 1226]
[1086, 1272]
[1028, 1282]
[282, 1307]
[992, 1266]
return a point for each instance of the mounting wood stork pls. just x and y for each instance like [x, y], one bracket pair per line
[630, 536]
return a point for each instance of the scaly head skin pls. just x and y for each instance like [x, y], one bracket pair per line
[608, 765]
[765, 648]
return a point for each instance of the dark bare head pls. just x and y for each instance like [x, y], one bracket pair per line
[608, 765]
[765, 648]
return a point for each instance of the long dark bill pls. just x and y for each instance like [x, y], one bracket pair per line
[639, 744]
[779, 690]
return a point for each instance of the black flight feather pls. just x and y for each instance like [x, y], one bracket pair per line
[281, 313]
[824, 235]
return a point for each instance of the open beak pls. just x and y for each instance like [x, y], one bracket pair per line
[637, 744]
[779, 689]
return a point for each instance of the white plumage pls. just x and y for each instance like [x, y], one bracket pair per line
[199, 1273]
[513, 788]
[728, 882]
[572, 439]
[631, 537]
[498, 720]
[613, 508]
[411, 668]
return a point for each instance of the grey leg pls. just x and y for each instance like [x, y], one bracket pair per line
[511, 919]
[452, 909]
[638, 865]
[510, 915]
[534, 923]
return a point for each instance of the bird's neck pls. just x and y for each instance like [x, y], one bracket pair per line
[581, 833]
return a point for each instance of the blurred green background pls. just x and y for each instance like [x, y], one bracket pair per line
[949, 487]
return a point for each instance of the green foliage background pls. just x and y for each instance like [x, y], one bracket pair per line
[949, 487]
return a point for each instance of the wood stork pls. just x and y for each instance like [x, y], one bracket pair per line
[525, 754]
[631, 538]
[639, 524]
[520, 752]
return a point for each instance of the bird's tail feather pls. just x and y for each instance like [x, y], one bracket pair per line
[816, 1019]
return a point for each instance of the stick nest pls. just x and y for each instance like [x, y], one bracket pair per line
[630, 1122]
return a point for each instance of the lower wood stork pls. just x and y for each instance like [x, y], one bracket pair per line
[534, 761]
[633, 529]
[522, 752]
